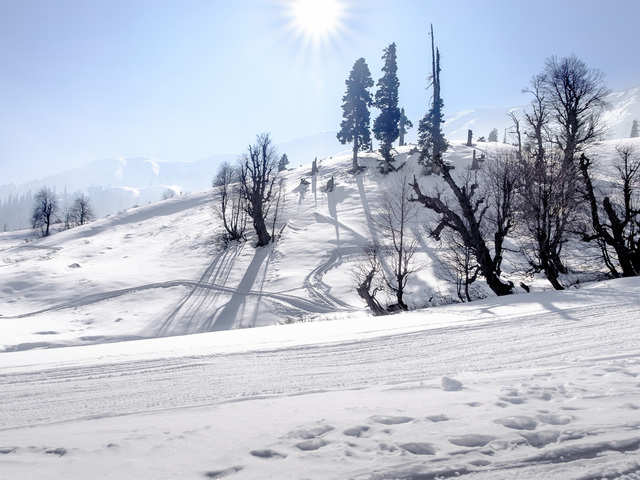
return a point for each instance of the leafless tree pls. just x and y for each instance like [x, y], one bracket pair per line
[231, 208]
[368, 281]
[515, 121]
[478, 214]
[462, 263]
[615, 218]
[548, 209]
[575, 95]
[537, 118]
[44, 212]
[394, 218]
[257, 179]
[81, 210]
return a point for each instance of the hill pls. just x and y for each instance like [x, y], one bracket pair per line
[160, 269]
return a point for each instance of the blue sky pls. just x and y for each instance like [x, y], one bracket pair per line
[178, 81]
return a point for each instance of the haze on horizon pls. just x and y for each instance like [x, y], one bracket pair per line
[183, 81]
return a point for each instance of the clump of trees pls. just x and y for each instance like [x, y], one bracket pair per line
[283, 163]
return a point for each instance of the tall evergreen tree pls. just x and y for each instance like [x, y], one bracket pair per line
[284, 161]
[493, 135]
[431, 141]
[355, 110]
[385, 126]
[635, 129]
[404, 125]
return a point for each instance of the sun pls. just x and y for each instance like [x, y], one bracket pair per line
[316, 20]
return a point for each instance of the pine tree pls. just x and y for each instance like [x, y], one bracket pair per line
[635, 129]
[431, 141]
[355, 110]
[385, 126]
[284, 161]
[493, 135]
[404, 126]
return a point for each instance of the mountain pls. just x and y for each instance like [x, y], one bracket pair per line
[623, 108]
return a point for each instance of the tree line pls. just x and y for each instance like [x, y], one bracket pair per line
[542, 193]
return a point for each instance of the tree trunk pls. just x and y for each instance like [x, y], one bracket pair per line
[355, 155]
[261, 230]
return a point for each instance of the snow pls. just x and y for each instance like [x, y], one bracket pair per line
[549, 390]
[161, 376]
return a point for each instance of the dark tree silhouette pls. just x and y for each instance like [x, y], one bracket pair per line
[231, 208]
[385, 126]
[257, 178]
[284, 161]
[575, 95]
[403, 127]
[81, 210]
[355, 110]
[615, 218]
[44, 212]
[431, 141]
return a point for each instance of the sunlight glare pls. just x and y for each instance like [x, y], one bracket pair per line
[316, 20]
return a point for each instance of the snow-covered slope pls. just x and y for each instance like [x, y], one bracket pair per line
[534, 386]
[160, 269]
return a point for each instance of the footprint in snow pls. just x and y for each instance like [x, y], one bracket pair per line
[471, 440]
[357, 431]
[450, 384]
[267, 453]
[312, 444]
[541, 438]
[438, 418]
[390, 419]
[223, 473]
[311, 432]
[518, 422]
[419, 448]
[553, 419]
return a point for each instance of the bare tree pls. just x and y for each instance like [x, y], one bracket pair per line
[478, 214]
[537, 118]
[515, 121]
[575, 94]
[369, 284]
[257, 178]
[231, 209]
[615, 218]
[81, 210]
[394, 219]
[548, 209]
[462, 262]
[44, 212]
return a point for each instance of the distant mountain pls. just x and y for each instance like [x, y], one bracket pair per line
[624, 107]
[115, 184]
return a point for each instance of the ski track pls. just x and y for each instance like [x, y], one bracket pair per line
[554, 339]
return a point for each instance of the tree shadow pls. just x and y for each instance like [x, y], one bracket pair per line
[229, 313]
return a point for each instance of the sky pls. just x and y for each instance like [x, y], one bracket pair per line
[83, 80]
